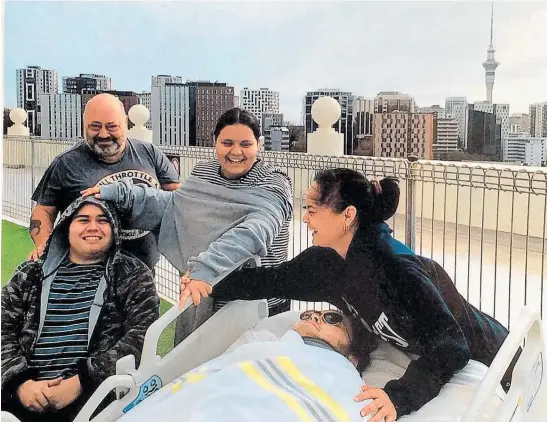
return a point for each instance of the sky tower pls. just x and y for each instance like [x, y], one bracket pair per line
[490, 64]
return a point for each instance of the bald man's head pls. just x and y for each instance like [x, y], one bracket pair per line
[105, 125]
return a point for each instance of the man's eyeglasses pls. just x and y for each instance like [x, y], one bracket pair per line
[110, 127]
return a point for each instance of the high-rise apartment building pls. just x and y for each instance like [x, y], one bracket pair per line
[436, 110]
[344, 125]
[393, 101]
[527, 150]
[446, 138]
[519, 124]
[276, 138]
[145, 98]
[363, 131]
[207, 102]
[170, 111]
[538, 120]
[501, 111]
[32, 82]
[61, 116]
[271, 119]
[259, 101]
[456, 108]
[86, 81]
[399, 135]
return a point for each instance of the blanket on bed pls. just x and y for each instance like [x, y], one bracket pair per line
[283, 380]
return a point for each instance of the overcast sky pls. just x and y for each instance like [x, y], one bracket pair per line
[430, 50]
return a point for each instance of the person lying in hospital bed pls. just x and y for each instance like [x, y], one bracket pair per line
[309, 374]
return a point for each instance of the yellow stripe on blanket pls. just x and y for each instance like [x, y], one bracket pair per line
[292, 402]
[312, 388]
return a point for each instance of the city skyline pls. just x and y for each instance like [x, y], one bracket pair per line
[428, 50]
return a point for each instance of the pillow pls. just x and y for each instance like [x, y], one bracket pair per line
[268, 329]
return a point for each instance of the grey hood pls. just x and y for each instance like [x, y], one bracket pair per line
[57, 246]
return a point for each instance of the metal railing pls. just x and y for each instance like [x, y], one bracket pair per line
[484, 223]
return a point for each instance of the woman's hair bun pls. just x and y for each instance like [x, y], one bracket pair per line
[387, 200]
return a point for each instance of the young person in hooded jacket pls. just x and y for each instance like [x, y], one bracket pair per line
[406, 300]
[68, 317]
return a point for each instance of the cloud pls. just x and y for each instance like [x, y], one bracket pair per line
[431, 50]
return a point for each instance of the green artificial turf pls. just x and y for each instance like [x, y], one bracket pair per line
[16, 248]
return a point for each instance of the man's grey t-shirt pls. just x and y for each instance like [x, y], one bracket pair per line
[79, 168]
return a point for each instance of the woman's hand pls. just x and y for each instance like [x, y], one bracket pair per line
[196, 288]
[95, 190]
[382, 408]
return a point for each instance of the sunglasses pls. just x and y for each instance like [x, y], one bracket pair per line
[330, 317]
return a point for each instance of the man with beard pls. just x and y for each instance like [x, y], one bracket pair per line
[104, 156]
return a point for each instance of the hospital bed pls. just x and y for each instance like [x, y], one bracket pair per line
[473, 395]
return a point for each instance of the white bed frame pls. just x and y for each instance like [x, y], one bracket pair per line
[526, 401]
[134, 385]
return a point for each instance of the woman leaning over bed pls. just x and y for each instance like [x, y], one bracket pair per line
[406, 300]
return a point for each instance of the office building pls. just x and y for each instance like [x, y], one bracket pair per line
[170, 111]
[207, 102]
[259, 101]
[538, 120]
[501, 111]
[86, 82]
[393, 101]
[484, 134]
[456, 108]
[61, 116]
[32, 83]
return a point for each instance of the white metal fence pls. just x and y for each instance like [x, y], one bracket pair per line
[484, 223]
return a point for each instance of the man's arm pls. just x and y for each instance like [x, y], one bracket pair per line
[41, 225]
[15, 368]
[46, 195]
[141, 309]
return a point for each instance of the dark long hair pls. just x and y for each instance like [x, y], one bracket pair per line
[238, 116]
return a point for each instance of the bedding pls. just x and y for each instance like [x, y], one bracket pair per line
[388, 363]
[283, 380]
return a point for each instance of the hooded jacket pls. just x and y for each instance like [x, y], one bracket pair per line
[126, 304]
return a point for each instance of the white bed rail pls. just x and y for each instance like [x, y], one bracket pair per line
[206, 343]
[526, 400]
